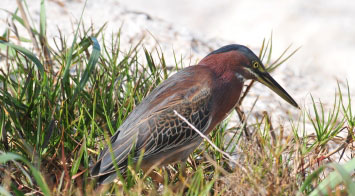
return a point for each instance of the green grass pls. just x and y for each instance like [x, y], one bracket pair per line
[59, 105]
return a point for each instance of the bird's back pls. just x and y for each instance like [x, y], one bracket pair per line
[153, 127]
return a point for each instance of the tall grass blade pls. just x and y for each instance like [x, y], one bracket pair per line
[43, 20]
[65, 80]
[341, 174]
[94, 57]
[5, 157]
[28, 54]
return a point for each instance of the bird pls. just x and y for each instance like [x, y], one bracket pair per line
[204, 94]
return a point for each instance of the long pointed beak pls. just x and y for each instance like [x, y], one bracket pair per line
[267, 80]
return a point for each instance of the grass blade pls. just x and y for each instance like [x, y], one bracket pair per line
[342, 174]
[28, 54]
[5, 157]
[94, 57]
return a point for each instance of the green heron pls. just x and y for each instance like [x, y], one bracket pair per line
[204, 94]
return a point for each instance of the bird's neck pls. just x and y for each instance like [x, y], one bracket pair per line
[221, 65]
[226, 96]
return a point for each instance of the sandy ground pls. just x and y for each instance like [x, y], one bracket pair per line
[323, 29]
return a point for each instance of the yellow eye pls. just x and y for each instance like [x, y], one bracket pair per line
[255, 65]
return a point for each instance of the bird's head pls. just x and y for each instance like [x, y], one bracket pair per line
[240, 62]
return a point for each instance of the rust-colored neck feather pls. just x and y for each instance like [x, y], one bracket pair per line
[226, 87]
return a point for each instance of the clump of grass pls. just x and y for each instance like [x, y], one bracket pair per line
[268, 166]
[59, 103]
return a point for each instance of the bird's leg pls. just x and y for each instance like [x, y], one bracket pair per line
[242, 119]
[183, 174]
[182, 169]
[182, 183]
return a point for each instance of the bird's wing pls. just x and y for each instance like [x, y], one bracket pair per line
[167, 131]
[153, 125]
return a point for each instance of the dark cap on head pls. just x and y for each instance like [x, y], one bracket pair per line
[236, 47]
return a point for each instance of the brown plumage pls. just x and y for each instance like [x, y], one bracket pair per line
[204, 94]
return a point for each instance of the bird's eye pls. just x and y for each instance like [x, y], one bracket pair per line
[255, 65]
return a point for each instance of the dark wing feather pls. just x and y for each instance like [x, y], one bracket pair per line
[171, 132]
[154, 127]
